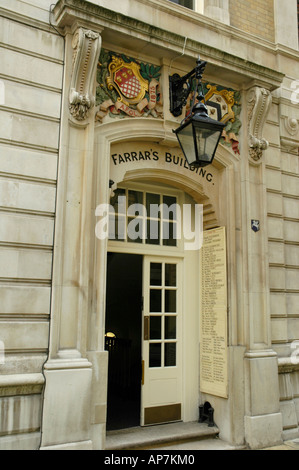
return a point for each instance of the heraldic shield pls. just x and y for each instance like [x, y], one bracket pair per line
[126, 79]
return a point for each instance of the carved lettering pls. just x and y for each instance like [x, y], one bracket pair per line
[176, 161]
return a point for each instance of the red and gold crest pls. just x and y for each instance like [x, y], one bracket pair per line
[126, 79]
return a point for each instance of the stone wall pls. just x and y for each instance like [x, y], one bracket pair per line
[282, 173]
[31, 58]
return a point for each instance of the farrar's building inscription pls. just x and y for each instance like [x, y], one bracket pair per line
[170, 159]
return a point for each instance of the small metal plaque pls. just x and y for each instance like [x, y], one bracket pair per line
[255, 225]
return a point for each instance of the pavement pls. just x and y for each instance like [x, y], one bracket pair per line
[286, 445]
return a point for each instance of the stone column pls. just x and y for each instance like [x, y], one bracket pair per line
[68, 372]
[218, 10]
[263, 423]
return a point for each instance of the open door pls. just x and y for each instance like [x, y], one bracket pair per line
[161, 400]
[123, 339]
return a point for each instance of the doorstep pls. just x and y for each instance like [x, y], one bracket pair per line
[159, 435]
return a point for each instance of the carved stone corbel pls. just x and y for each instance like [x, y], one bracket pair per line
[87, 46]
[258, 104]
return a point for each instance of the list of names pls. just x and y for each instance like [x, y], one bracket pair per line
[213, 322]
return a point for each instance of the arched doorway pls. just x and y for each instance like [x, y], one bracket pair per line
[151, 327]
[158, 165]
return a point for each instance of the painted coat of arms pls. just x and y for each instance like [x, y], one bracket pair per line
[127, 88]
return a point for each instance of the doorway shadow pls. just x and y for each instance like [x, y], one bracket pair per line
[123, 339]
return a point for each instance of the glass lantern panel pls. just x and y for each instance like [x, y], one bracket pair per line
[206, 140]
[186, 141]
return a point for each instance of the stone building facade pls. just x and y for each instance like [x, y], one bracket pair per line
[71, 137]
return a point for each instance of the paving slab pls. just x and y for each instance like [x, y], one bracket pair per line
[287, 445]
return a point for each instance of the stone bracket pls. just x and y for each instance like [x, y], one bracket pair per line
[86, 45]
[258, 104]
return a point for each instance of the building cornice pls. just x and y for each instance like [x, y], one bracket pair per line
[69, 14]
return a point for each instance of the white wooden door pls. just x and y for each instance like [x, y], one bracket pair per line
[161, 396]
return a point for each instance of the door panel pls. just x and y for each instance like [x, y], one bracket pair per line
[161, 347]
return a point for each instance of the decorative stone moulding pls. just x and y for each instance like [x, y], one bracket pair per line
[127, 88]
[86, 45]
[291, 125]
[289, 139]
[224, 105]
[258, 104]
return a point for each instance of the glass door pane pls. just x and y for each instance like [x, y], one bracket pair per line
[163, 314]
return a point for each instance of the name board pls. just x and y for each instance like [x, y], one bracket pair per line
[126, 157]
[213, 321]
[154, 156]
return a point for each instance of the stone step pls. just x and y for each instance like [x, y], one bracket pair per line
[150, 437]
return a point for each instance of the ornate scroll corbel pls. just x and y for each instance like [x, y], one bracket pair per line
[87, 46]
[258, 104]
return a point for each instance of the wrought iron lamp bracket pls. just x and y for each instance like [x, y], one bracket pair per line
[180, 87]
